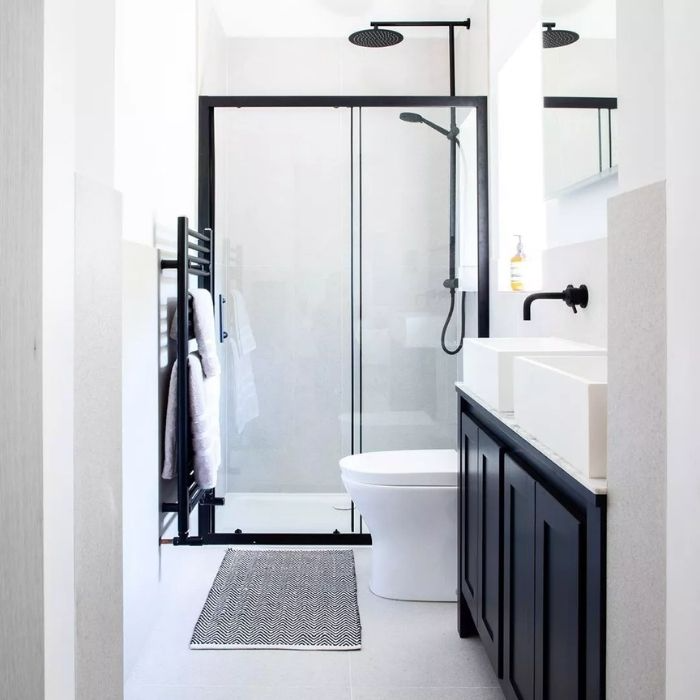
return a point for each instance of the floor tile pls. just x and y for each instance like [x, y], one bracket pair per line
[412, 644]
[410, 650]
[170, 692]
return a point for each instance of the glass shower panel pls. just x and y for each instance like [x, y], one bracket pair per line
[283, 231]
[407, 380]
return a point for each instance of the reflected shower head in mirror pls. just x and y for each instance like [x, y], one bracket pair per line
[414, 118]
[554, 38]
[375, 38]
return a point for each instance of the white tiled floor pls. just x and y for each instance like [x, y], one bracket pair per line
[410, 651]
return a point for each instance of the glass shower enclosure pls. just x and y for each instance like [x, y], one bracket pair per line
[331, 220]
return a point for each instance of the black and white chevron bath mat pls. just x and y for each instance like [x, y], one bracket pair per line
[281, 599]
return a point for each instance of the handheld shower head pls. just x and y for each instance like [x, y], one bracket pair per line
[414, 118]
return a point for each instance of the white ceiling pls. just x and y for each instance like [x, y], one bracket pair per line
[592, 19]
[331, 18]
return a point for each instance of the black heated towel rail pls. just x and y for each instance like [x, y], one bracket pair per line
[194, 257]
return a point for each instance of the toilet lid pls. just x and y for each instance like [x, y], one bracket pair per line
[403, 468]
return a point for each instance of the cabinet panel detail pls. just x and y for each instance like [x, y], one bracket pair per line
[558, 601]
[469, 512]
[490, 581]
[519, 584]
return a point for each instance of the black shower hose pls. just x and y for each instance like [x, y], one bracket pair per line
[447, 324]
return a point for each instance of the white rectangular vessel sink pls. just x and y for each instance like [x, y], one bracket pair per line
[488, 363]
[563, 403]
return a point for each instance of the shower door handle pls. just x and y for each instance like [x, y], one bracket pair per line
[222, 333]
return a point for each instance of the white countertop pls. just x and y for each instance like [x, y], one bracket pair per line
[596, 486]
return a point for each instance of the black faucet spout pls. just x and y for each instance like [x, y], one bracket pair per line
[571, 296]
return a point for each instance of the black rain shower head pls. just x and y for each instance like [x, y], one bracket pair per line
[375, 38]
[554, 38]
[411, 117]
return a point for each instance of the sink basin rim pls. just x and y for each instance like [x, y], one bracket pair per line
[550, 362]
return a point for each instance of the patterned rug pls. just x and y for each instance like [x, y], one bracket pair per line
[281, 599]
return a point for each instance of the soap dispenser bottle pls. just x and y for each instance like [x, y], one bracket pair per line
[517, 267]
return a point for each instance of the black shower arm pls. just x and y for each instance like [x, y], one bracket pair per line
[466, 23]
[450, 133]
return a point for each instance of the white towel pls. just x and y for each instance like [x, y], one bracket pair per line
[204, 331]
[169, 459]
[204, 425]
[243, 333]
[203, 428]
[243, 392]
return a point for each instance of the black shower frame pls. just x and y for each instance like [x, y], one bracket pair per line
[206, 215]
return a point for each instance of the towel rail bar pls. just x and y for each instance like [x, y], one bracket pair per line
[200, 236]
[200, 248]
[197, 260]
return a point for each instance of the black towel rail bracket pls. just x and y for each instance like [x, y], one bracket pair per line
[194, 257]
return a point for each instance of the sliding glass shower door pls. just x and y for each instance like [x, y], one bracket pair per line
[283, 273]
[332, 243]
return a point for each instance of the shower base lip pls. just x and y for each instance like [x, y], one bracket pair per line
[284, 538]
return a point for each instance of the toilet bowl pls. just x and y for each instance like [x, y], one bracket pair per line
[408, 499]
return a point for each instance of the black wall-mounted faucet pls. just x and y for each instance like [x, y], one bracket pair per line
[571, 296]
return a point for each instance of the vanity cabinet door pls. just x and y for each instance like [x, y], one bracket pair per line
[469, 518]
[519, 582]
[559, 604]
[490, 554]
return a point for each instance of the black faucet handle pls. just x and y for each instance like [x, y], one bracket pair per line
[575, 296]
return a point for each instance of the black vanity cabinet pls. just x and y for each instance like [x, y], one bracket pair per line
[481, 581]
[532, 564]
[543, 605]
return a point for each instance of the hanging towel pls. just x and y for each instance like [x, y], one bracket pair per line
[204, 331]
[204, 424]
[243, 394]
[212, 391]
[203, 428]
[169, 439]
[243, 333]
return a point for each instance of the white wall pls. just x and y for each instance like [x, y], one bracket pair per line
[58, 317]
[640, 76]
[212, 69]
[155, 114]
[140, 430]
[636, 533]
[472, 52]
[98, 442]
[94, 97]
[682, 100]
[21, 345]
[120, 107]
[155, 169]
[577, 263]
[516, 161]
[336, 67]
[636, 494]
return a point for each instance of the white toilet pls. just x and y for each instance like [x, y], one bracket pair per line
[408, 499]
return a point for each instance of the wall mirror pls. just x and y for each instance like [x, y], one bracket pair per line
[579, 84]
